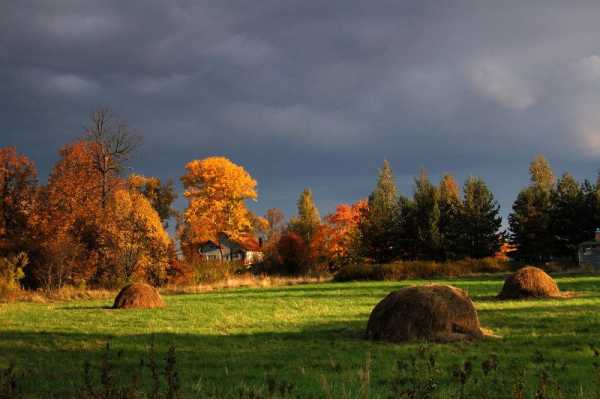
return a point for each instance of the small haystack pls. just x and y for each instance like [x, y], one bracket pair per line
[430, 312]
[529, 282]
[138, 295]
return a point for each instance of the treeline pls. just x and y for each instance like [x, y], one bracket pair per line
[551, 217]
[93, 224]
[438, 223]
[88, 225]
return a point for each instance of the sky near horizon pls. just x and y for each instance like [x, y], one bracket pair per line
[312, 93]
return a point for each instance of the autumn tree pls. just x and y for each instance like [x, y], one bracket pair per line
[113, 145]
[18, 191]
[75, 236]
[341, 237]
[308, 220]
[140, 242]
[161, 195]
[378, 224]
[275, 219]
[216, 190]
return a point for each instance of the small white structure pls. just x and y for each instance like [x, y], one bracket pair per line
[247, 250]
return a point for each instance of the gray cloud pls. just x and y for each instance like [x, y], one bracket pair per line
[312, 93]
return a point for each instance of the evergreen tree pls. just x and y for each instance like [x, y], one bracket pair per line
[450, 207]
[568, 216]
[377, 227]
[530, 219]
[479, 220]
[426, 217]
[308, 220]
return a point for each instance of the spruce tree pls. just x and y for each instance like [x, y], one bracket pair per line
[479, 220]
[426, 217]
[449, 223]
[530, 219]
[568, 216]
[377, 228]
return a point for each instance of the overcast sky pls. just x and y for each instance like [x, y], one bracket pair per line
[312, 93]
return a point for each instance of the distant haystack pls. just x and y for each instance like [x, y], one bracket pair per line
[529, 282]
[138, 296]
[430, 312]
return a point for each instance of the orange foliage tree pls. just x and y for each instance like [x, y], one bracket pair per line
[216, 189]
[336, 242]
[18, 192]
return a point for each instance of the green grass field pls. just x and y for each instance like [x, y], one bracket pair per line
[309, 336]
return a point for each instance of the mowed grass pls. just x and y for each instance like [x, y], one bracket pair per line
[303, 335]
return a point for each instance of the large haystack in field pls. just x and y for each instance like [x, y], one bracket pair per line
[138, 295]
[430, 312]
[529, 282]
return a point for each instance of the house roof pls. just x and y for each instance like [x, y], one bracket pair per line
[246, 241]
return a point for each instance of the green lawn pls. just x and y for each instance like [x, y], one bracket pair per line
[302, 335]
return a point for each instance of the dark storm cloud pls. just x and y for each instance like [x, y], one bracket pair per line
[312, 93]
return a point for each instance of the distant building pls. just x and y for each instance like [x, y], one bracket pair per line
[588, 252]
[247, 250]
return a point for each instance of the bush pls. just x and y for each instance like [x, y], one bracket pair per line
[420, 269]
[207, 272]
[11, 273]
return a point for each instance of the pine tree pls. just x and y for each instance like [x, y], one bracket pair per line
[479, 220]
[377, 226]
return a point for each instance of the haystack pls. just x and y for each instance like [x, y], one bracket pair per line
[430, 312]
[529, 282]
[138, 295]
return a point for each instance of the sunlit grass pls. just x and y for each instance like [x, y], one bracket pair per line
[298, 333]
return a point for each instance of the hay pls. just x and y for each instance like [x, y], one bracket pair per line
[138, 295]
[529, 282]
[431, 312]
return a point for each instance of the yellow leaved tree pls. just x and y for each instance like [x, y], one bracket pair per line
[216, 189]
[141, 242]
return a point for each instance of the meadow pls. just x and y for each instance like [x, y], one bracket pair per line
[308, 338]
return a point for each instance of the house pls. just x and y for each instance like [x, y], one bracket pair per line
[588, 252]
[247, 249]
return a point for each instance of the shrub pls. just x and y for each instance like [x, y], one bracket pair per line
[420, 269]
[11, 273]
[207, 272]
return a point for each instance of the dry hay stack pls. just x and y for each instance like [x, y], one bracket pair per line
[138, 295]
[431, 312]
[529, 282]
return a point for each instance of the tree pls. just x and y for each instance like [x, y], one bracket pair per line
[377, 226]
[160, 195]
[479, 220]
[141, 243]
[216, 189]
[308, 219]
[341, 236]
[275, 219]
[541, 174]
[449, 222]
[113, 144]
[18, 191]
[529, 221]
[569, 219]
[427, 216]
